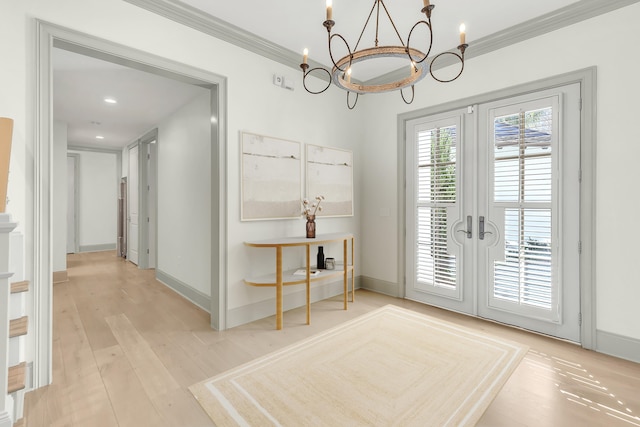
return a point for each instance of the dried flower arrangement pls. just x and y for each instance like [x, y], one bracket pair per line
[309, 209]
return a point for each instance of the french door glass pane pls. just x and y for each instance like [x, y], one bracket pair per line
[525, 275]
[436, 189]
[523, 186]
[522, 149]
[435, 266]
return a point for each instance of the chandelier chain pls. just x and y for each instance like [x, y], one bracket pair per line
[365, 27]
[392, 23]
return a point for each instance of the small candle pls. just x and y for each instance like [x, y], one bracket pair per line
[426, 3]
[305, 55]
[413, 68]
[329, 10]
[349, 75]
[462, 35]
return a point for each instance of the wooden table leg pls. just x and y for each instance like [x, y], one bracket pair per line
[308, 284]
[353, 271]
[345, 277]
[278, 287]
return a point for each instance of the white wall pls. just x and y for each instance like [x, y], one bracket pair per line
[59, 204]
[254, 104]
[97, 200]
[184, 194]
[601, 42]
[257, 106]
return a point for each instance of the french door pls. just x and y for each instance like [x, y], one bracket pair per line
[493, 211]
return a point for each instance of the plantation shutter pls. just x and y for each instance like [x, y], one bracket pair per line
[436, 191]
[523, 187]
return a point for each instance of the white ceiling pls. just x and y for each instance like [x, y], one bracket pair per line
[297, 24]
[81, 82]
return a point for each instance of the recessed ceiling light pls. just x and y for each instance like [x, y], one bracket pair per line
[99, 137]
[110, 100]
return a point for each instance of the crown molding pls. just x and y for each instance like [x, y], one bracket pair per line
[552, 21]
[216, 27]
[198, 20]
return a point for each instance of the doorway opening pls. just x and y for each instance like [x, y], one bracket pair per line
[50, 37]
[498, 206]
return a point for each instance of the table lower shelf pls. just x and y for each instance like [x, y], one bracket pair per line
[288, 278]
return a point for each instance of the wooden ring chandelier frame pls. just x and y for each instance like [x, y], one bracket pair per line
[340, 75]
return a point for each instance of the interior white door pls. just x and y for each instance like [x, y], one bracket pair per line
[133, 206]
[493, 211]
[151, 203]
[71, 205]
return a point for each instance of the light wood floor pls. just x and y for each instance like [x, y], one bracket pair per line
[126, 348]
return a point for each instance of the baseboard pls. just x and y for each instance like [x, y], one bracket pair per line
[606, 342]
[618, 346]
[380, 286]
[98, 248]
[198, 298]
[260, 310]
[60, 276]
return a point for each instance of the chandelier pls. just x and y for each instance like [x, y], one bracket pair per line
[419, 65]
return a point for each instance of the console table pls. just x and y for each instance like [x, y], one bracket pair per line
[286, 278]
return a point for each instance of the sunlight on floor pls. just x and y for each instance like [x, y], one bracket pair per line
[580, 387]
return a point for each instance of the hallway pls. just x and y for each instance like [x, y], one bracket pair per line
[126, 348]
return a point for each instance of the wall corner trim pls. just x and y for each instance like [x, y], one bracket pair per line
[380, 286]
[195, 296]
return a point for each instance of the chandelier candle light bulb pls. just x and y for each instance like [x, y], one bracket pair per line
[305, 55]
[463, 28]
[329, 10]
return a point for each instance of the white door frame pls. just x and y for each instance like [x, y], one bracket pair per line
[147, 208]
[147, 173]
[76, 202]
[587, 80]
[133, 198]
[39, 223]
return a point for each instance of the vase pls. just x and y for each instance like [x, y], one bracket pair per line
[311, 226]
[6, 132]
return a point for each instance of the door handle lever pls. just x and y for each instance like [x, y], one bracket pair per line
[469, 227]
[481, 231]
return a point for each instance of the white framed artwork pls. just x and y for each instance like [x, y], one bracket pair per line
[271, 178]
[330, 174]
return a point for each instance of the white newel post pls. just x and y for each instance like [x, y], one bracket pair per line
[6, 401]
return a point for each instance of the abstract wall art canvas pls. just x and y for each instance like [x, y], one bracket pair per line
[271, 178]
[330, 174]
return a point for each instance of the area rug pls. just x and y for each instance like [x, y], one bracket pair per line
[389, 367]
